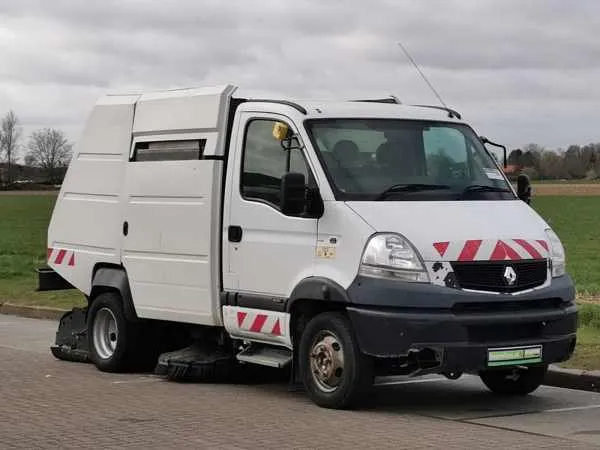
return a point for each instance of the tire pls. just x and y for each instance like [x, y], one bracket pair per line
[112, 339]
[329, 336]
[514, 381]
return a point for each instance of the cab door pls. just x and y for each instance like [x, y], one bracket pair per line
[266, 252]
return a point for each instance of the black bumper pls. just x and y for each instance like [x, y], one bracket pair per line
[460, 327]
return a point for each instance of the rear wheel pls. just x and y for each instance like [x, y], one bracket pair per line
[112, 339]
[334, 372]
[518, 381]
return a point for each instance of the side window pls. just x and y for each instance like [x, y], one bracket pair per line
[265, 162]
[169, 150]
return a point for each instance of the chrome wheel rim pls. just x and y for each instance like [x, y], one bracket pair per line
[105, 333]
[327, 361]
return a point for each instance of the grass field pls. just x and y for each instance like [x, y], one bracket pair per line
[23, 224]
[24, 220]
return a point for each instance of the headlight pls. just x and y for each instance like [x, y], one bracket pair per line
[557, 254]
[392, 256]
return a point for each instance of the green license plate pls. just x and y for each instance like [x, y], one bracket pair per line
[514, 356]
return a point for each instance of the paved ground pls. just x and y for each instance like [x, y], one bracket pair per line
[45, 403]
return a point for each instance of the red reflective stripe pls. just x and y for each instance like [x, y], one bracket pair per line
[441, 247]
[469, 250]
[258, 323]
[529, 248]
[276, 329]
[240, 317]
[543, 244]
[60, 257]
[502, 251]
[72, 260]
[50, 250]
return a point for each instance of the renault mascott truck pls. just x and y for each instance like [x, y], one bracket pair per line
[341, 240]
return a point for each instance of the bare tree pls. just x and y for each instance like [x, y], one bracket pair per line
[10, 135]
[50, 150]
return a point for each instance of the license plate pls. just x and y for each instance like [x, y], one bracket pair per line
[511, 356]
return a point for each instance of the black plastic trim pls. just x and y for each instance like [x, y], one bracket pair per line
[266, 303]
[424, 296]
[318, 288]
[115, 278]
[50, 280]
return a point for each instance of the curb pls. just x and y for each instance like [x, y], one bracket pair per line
[32, 312]
[582, 380]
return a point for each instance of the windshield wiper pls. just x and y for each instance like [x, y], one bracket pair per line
[412, 187]
[484, 188]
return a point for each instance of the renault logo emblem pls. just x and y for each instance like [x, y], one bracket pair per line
[510, 276]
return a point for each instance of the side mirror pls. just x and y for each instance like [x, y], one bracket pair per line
[524, 188]
[293, 194]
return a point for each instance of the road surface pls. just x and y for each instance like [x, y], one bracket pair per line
[45, 403]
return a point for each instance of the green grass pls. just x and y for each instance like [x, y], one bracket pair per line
[23, 229]
[576, 220]
[587, 351]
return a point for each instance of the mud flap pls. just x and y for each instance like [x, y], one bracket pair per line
[71, 342]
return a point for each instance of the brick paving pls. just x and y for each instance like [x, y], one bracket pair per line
[49, 404]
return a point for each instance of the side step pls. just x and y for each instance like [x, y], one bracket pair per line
[266, 356]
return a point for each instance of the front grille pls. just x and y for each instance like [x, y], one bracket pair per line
[490, 275]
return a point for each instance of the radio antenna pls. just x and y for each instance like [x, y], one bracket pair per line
[422, 75]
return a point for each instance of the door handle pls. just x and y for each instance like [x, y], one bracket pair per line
[125, 228]
[234, 233]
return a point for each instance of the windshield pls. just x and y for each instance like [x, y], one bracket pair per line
[377, 159]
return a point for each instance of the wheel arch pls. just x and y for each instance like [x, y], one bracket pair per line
[312, 296]
[113, 278]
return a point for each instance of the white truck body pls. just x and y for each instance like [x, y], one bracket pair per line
[154, 190]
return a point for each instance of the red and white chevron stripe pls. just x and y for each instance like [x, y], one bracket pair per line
[492, 249]
[61, 257]
[259, 323]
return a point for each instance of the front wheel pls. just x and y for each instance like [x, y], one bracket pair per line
[334, 372]
[517, 381]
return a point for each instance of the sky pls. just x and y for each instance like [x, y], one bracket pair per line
[519, 71]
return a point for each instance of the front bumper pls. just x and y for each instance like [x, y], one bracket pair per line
[460, 327]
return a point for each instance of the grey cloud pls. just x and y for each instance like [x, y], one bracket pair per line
[517, 68]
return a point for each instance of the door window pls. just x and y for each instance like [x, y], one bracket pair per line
[265, 162]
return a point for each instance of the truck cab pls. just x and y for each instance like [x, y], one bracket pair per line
[347, 240]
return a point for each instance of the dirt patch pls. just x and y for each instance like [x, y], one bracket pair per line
[566, 189]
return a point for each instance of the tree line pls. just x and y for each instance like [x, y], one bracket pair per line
[575, 163]
[46, 149]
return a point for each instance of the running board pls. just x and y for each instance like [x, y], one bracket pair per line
[266, 356]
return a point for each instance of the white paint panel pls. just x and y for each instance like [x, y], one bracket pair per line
[276, 251]
[161, 304]
[424, 223]
[170, 254]
[87, 222]
[87, 215]
[163, 268]
[91, 176]
[188, 109]
[351, 234]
